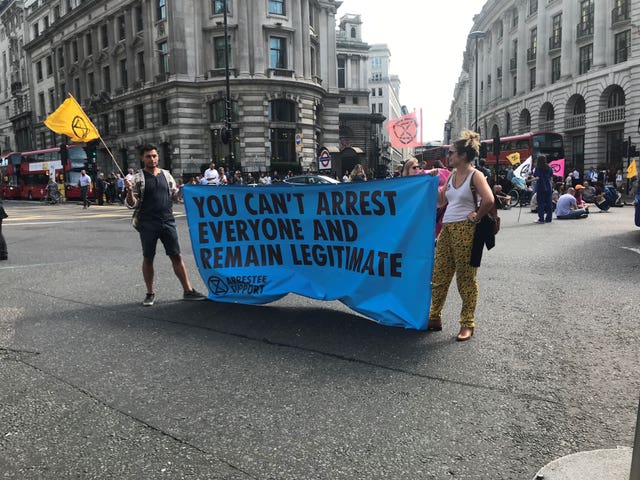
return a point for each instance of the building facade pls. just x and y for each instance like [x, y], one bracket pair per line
[568, 66]
[154, 71]
[360, 129]
[385, 99]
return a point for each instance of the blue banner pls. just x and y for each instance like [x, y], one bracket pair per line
[369, 245]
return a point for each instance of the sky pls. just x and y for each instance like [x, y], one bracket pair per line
[427, 39]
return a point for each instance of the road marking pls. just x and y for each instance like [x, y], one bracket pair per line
[34, 265]
[636, 250]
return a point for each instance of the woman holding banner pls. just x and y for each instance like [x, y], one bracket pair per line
[453, 251]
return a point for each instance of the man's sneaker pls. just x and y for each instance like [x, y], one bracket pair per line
[193, 295]
[149, 299]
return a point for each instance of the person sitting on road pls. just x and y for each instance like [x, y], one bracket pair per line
[504, 200]
[589, 192]
[567, 208]
[580, 203]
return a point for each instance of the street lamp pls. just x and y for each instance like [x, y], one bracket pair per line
[477, 34]
[447, 132]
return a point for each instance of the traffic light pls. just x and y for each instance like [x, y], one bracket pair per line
[64, 155]
[483, 150]
[91, 151]
[624, 148]
[633, 151]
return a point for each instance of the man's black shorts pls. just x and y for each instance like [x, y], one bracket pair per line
[165, 232]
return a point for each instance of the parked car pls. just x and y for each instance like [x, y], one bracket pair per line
[310, 180]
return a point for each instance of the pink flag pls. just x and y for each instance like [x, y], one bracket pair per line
[558, 167]
[403, 131]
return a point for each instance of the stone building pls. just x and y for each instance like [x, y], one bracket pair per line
[360, 129]
[154, 71]
[569, 66]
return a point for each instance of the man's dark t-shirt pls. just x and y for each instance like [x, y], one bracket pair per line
[156, 205]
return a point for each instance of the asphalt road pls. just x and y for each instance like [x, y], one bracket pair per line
[95, 386]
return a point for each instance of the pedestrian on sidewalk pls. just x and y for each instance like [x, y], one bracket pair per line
[84, 182]
[3, 244]
[150, 195]
[453, 250]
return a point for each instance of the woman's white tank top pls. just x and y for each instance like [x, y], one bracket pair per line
[460, 200]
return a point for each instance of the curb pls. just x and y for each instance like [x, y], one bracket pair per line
[611, 464]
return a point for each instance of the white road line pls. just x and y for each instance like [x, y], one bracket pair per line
[636, 250]
[35, 265]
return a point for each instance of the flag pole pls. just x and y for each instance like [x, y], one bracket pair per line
[112, 157]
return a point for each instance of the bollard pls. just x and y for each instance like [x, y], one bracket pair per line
[635, 456]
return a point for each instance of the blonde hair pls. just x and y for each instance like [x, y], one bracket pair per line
[408, 164]
[469, 144]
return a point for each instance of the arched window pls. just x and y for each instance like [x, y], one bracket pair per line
[508, 122]
[525, 121]
[353, 32]
[616, 98]
[579, 106]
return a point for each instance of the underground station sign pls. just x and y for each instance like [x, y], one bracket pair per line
[324, 160]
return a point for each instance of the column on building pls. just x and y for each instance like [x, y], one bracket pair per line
[600, 17]
[260, 52]
[306, 41]
[347, 72]
[522, 67]
[241, 41]
[543, 76]
[568, 61]
[331, 48]
[298, 44]
[506, 46]
[324, 55]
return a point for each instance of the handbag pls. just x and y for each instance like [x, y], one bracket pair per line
[491, 217]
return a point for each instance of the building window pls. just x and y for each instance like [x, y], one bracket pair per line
[43, 108]
[282, 111]
[39, 71]
[585, 27]
[532, 78]
[74, 50]
[91, 83]
[218, 7]
[515, 85]
[124, 78]
[142, 74]
[616, 98]
[104, 127]
[533, 44]
[341, 73]
[106, 78]
[88, 43]
[161, 10]
[163, 106]
[139, 109]
[586, 58]
[56, 12]
[533, 7]
[354, 100]
[163, 58]
[373, 92]
[622, 45]
[139, 18]
[76, 89]
[283, 145]
[276, 7]
[36, 30]
[555, 69]
[104, 36]
[556, 32]
[379, 92]
[217, 112]
[122, 28]
[354, 32]
[380, 109]
[508, 122]
[278, 52]
[122, 121]
[218, 52]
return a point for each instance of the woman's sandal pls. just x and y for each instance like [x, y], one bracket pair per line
[465, 334]
[434, 325]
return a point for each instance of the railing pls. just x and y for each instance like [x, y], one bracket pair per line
[611, 115]
[620, 13]
[575, 121]
[584, 29]
[531, 54]
[555, 42]
[513, 63]
[280, 72]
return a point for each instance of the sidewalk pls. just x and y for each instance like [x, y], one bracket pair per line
[613, 464]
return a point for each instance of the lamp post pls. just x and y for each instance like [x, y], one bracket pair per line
[447, 132]
[477, 34]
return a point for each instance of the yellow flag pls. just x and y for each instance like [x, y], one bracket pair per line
[514, 158]
[70, 120]
[631, 170]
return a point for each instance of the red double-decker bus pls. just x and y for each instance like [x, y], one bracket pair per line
[527, 145]
[25, 174]
[430, 154]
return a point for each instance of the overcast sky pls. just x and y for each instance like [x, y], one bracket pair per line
[427, 39]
